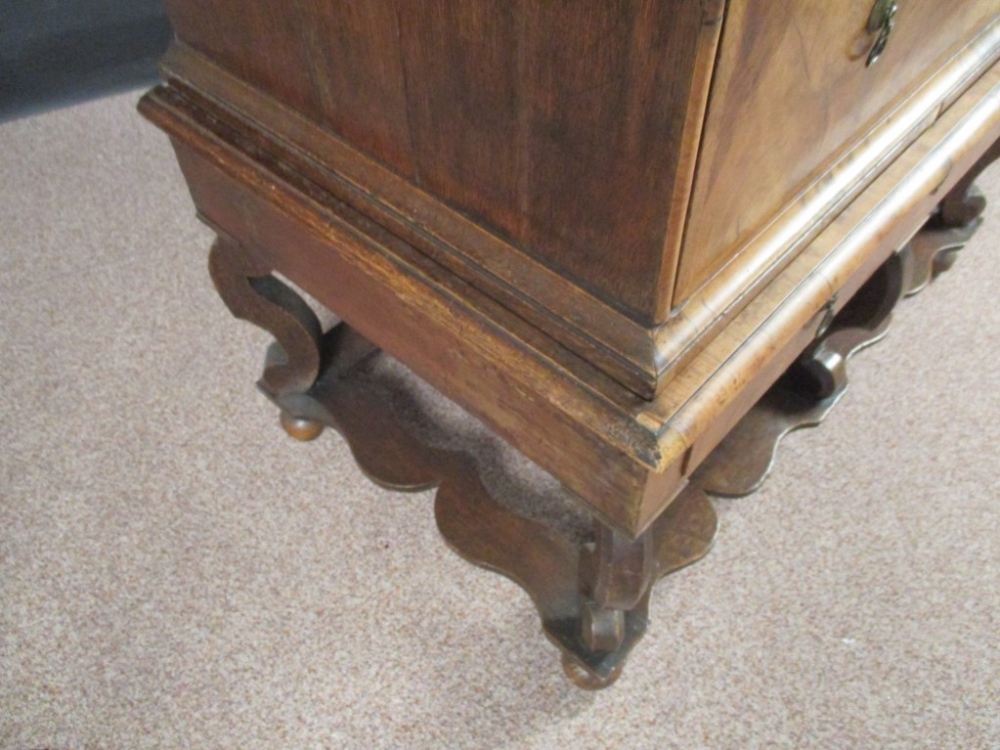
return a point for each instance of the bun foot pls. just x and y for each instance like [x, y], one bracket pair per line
[584, 678]
[300, 428]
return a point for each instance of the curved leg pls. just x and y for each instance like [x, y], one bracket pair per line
[252, 293]
[821, 370]
[616, 575]
[300, 352]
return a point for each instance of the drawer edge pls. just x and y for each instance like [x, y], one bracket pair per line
[719, 300]
[715, 390]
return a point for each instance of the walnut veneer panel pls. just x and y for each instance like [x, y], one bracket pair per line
[792, 93]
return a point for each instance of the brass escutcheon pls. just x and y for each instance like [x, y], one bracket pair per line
[881, 21]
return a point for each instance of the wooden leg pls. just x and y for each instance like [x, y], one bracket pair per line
[300, 352]
[615, 575]
[251, 292]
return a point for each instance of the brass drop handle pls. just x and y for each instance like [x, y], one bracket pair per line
[881, 21]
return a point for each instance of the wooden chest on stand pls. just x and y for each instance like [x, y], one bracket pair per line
[637, 238]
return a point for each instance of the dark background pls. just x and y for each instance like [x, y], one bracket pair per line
[56, 52]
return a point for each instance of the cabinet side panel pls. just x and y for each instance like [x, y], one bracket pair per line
[558, 125]
[257, 41]
[563, 127]
[460, 62]
[354, 57]
[336, 62]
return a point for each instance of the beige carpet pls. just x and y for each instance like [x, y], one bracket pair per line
[175, 572]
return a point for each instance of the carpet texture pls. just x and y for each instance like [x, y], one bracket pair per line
[175, 572]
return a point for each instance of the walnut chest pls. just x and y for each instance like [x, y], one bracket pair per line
[634, 237]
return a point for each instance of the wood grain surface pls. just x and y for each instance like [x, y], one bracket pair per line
[792, 94]
[516, 338]
[565, 127]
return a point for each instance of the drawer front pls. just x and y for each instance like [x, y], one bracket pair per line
[792, 95]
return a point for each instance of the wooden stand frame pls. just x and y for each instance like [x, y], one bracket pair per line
[641, 467]
[592, 597]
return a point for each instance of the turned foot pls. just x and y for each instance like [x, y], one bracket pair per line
[300, 428]
[586, 679]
